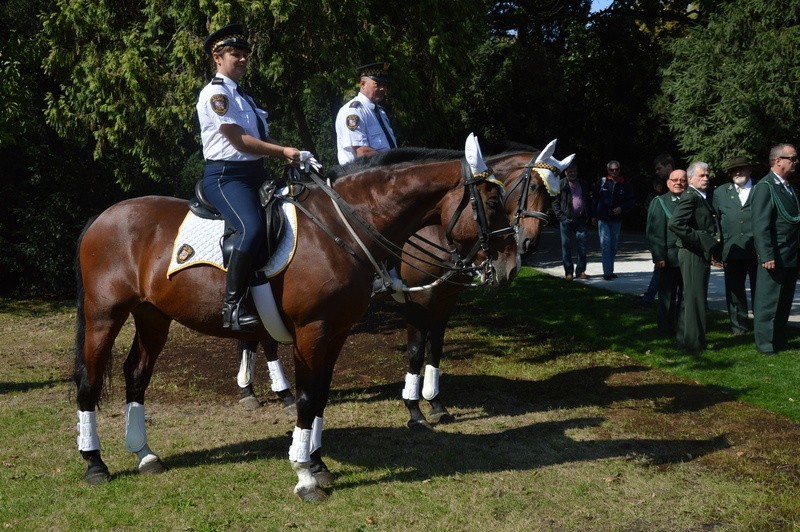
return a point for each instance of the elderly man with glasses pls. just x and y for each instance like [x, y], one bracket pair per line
[776, 229]
[613, 199]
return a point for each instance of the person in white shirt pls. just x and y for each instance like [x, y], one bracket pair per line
[236, 139]
[362, 125]
[732, 203]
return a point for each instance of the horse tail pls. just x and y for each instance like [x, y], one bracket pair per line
[79, 373]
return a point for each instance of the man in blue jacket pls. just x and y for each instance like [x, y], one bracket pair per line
[613, 199]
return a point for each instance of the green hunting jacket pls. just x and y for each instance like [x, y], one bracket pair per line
[776, 214]
[695, 223]
[663, 243]
[736, 221]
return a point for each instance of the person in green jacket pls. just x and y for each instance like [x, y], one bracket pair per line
[664, 250]
[695, 223]
[733, 204]
[776, 219]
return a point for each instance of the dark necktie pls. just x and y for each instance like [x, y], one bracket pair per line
[383, 127]
[262, 132]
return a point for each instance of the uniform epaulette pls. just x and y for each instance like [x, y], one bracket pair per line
[217, 81]
[355, 103]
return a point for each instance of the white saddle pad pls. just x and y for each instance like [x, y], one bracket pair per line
[198, 243]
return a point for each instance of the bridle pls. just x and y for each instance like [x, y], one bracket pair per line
[460, 264]
[471, 183]
[524, 180]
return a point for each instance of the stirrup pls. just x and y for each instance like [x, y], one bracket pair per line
[231, 319]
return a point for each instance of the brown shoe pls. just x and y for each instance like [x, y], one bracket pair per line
[568, 276]
[583, 275]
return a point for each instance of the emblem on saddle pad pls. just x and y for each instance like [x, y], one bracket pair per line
[185, 252]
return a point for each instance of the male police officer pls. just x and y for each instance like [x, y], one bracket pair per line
[362, 125]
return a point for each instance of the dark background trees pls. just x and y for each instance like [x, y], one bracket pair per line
[99, 96]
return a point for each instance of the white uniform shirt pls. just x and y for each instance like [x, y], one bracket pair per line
[357, 125]
[218, 104]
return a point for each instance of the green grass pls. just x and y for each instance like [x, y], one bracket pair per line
[560, 426]
[584, 316]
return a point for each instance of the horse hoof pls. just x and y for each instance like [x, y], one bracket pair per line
[250, 403]
[290, 410]
[442, 417]
[311, 494]
[154, 467]
[97, 475]
[419, 426]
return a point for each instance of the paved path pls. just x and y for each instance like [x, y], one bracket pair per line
[634, 267]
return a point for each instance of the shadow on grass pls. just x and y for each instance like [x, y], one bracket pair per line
[10, 387]
[499, 396]
[34, 308]
[438, 454]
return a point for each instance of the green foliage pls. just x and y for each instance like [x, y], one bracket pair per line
[732, 83]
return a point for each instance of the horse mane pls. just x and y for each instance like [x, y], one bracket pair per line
[392, 157]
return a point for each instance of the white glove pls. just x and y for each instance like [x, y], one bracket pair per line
[308, 161]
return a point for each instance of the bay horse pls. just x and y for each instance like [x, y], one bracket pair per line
[530, 177]
[121, 271]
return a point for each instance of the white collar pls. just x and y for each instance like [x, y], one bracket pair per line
[366, 101]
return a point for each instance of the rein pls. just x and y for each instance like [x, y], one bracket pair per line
[459, 264]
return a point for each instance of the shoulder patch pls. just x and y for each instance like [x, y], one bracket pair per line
[355, 104]
[217, 81]
[352, 122]
[219, 103]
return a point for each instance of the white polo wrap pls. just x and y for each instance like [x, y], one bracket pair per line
[279, 382]
[411, 391]
[301, 445]
[87, 431]
[247, 368]
[430, 386]
[135, 434]
[316, 434]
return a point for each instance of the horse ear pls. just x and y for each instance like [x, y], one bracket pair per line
[548, 151]
[472, 152]
[566, 161]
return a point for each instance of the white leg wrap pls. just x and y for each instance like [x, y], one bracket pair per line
[430, 387]
[279, 382]
[246, 368]
[411, 391]
[87, 432]
[316, 434]
[135, 433]
[301, 445]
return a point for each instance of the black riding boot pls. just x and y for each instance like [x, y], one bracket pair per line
[240, 271]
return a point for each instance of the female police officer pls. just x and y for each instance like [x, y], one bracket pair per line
[235, 138]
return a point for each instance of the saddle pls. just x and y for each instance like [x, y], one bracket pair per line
[274, 220]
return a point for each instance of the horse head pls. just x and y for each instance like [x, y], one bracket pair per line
[536, 185]
[486, 227]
